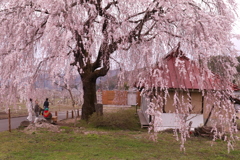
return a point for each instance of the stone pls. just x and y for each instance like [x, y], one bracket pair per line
[24, 124]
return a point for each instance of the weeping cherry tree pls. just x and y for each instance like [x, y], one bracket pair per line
[89, 36]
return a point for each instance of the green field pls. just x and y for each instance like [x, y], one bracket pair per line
[101, 144]
[90, 141]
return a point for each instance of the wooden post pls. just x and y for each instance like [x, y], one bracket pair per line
[136, 109]
[72, 114]
[209, 115]
[67, 115]
[55, 113]
[99, 108]
[9, 119]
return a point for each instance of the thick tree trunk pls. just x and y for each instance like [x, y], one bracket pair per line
[89, 97]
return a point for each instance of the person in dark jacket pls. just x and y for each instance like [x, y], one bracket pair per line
[36, 108]
[36, 111]
[46, 104]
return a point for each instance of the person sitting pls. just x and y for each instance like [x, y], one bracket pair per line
[47, 115]
[41, 110]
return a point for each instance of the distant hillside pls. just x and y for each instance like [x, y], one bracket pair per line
[109, 82]
[45, 81]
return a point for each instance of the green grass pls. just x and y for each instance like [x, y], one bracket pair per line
[91, 142]
[108, 145]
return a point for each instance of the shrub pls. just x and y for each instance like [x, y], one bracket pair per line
[124, 119]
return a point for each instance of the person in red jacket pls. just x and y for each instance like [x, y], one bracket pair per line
[46, 114]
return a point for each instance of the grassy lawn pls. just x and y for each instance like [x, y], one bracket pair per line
[108, 145]
[100, 142]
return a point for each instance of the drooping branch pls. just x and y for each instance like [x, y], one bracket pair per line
[80, 52]
[97, 62]
[115, 2]
[38, 33]
[102, 61]
[42, 11]
[40, 64]
[136, 34]
[107, 49]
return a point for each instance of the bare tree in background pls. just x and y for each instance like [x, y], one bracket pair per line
[69, 87]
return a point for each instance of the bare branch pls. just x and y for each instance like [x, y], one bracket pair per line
[171, 34]
[135, 15]
[79, 52]
[194, 5]
[109, 5]
[40, 64]
[41, 11]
